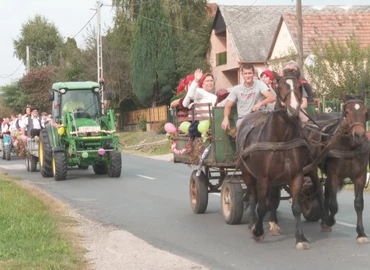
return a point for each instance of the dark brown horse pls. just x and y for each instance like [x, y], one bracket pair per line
[273, 151]
[348, 158]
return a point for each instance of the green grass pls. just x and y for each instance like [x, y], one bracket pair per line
[31, 234]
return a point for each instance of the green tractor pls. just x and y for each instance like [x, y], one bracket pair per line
[80, 134]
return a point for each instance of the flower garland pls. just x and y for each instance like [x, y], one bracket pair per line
[177, 151]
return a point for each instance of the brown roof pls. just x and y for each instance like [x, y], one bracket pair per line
[252, 27]
[322, 27]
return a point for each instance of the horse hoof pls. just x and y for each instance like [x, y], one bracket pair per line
[274, 229]
[325, 228]
[302, 246]
[362, 240]
[259, 238]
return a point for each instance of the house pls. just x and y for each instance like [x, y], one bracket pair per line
[244, 34]
[319, 28]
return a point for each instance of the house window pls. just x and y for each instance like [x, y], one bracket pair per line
[221, 59]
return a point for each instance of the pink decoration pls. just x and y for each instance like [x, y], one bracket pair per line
[101, 151]
[15, 143]
[24, 138]
[169, 128]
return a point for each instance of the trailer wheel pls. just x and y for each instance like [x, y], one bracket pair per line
[59, 166]
[232, 202]
[309, 205]
[100, 168]
[198, 190]
[32, 163]
[115, 164]
[45, 155]
[27, 162]
[7, 152]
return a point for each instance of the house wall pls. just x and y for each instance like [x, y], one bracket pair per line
[225, 75]
[284, 43]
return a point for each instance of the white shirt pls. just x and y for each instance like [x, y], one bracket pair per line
[36, 123]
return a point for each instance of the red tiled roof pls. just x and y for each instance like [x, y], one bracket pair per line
[321, 27]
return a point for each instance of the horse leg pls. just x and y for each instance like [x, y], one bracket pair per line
[359, 207]
[295, 189]
[262, 189]
[274, 201]
[252, 197]
[327, 192]
[333, 203]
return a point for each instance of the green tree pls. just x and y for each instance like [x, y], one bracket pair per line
[153, 73]
[37, 85]
[15, 98]
[340, 67]
[72, 61]
[44, 41]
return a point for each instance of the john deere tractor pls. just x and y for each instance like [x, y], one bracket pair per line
[79, 134]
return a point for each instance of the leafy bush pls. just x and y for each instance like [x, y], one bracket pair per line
[160, 129]
[142, 123]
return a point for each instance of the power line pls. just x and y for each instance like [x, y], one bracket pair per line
[10, 75]
[85, 25]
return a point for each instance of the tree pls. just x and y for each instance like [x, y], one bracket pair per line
[13, 99]
[37, 85]
[340, 67]
[153, 73]
[72, 61]
[44, 40]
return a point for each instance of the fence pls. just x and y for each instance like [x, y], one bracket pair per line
[153, 116]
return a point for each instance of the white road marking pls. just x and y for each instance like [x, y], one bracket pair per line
[346, 224]
[146, 177]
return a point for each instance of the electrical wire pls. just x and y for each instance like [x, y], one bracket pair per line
[85, 25]
[10, 75]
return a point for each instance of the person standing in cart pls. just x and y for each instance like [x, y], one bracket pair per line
[31, 125]
[249, 96]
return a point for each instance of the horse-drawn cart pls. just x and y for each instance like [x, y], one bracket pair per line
[218, 172]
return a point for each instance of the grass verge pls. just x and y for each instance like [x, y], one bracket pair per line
[144, 143]
[35, 232]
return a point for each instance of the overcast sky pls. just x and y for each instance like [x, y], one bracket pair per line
[70, 16]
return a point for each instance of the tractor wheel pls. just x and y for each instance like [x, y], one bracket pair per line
[33, 163]
[83, 167]
[100, 168]
[45, 155]
[115, 164]
[59, 166]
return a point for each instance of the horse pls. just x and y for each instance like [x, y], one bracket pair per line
[348, 158]
[272, 152]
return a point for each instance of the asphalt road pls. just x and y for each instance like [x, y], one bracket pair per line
[151, 200]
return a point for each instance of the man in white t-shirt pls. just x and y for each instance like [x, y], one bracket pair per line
[249, 96]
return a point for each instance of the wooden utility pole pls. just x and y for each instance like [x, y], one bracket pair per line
[300, 35]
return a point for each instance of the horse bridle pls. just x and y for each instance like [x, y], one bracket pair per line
[291, 90]
[344, 113]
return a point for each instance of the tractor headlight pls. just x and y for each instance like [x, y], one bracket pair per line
[96, 90]
[63, 91]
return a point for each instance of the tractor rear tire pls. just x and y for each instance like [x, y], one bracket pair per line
[100, 168]
[59, 166]
[115, 164]
[33, 163]
[45, 154]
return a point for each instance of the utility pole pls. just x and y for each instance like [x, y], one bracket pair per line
[99, 49]
[300, 35]
[27, 59]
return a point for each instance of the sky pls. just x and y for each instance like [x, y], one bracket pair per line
[70, 16]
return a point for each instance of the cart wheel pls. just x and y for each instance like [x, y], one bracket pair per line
[27, 161]
[33, 163]
[309, 205]
[198, 192]
[232, 202]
